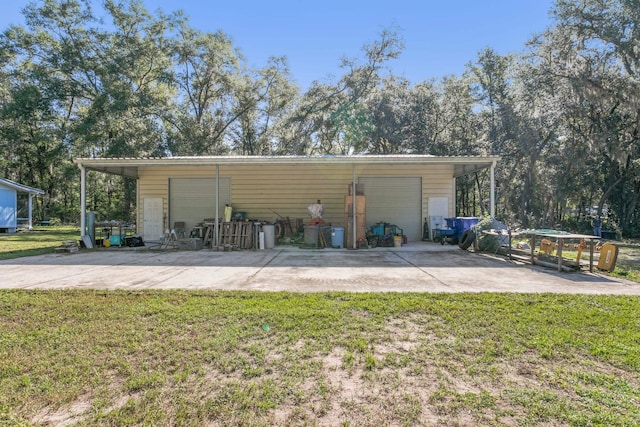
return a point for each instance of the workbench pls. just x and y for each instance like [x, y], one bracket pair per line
[104, 231]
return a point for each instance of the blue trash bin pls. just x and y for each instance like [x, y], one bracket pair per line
[461, 224]
[464, 223]
[337, 237]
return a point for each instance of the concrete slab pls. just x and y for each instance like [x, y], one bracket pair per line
[416, 267]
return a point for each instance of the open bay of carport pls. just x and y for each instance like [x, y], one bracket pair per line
[416, 267]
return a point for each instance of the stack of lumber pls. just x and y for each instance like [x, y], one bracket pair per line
[322, 241]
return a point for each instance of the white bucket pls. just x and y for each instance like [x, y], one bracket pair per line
[397, 241]
[269, 236]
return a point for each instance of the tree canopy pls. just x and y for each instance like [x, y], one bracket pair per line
[120, 81]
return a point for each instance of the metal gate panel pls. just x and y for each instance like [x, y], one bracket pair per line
[396, 200]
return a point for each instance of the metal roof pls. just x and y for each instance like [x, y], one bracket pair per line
[128, 166]
[20, 187]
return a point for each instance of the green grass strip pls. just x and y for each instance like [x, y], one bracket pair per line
[244, 358]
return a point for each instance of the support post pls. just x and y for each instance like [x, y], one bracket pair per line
[560, 243]
[30, 223]
[533, 248]
[353, 208]
[83, 201]
[492, 193]
[455, 196]
[216, 237]
[139, 220]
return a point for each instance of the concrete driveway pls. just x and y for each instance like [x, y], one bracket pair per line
[416, 267]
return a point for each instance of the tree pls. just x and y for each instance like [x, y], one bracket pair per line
[33, 152]
[260, 104]
[331, 118]
[208, 71]
[594, 48]
[491, 79]
[104, 88]
[389, 111]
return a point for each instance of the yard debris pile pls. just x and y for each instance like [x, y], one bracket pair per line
[68, 246]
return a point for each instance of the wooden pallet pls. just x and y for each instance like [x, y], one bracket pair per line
[235, 235]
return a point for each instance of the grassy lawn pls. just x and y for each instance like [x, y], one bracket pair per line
[41, 240]
[235, 358]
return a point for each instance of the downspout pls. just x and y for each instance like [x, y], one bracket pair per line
[83, 201]
[215, 227]
[492, 192]
[353, 207]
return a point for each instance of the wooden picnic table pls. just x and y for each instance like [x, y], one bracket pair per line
[561, 237]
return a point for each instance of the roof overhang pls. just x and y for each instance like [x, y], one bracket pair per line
[20, 187]
[128, 167]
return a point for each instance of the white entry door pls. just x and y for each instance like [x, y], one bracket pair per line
[153, 219]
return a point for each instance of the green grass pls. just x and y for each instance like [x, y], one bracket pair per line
[39, 241]
[240, 358]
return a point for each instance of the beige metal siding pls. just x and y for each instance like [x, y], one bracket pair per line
[263, 191]
[268, 191]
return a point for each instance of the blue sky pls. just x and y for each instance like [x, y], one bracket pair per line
[440, 36]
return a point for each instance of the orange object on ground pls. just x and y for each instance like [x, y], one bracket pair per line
[608, 257]
[547, 246]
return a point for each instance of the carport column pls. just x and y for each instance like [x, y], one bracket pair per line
[492, 193]
[83, 200]
[215, 227]
[353, 207]
[455, 195]
[30, 224]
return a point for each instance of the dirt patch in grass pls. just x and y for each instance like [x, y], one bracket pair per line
[66, 415]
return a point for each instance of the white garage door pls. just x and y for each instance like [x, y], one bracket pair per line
[191, 200]
[396, 200]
